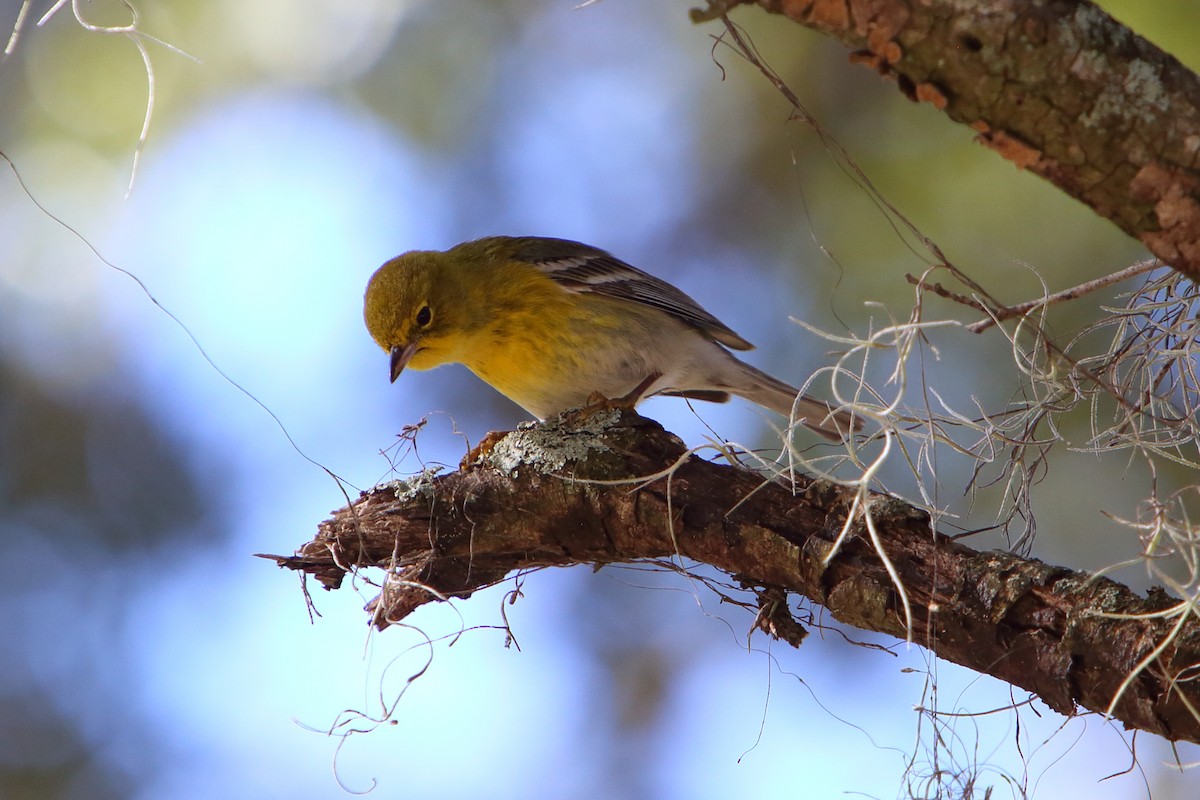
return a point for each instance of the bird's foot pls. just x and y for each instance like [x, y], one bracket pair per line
[626, 402]
[482, 449]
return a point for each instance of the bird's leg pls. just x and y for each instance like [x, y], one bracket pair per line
[482, 449]
[597, 401]
[635, 394]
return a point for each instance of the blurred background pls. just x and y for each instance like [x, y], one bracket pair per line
[144, 653]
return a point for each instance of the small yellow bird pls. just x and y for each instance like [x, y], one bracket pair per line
[553, 324]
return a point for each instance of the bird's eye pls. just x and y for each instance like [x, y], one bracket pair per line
[424, 316]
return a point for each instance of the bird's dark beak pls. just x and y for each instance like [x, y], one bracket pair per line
[401, 354]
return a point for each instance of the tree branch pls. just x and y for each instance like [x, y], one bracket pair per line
[1058, 87]
[617, 488]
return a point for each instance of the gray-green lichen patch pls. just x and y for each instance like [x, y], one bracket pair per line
[891, 507]
[419, 486]
[1144, 80]
[551, 445]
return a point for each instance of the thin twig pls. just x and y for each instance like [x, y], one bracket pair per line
[1007, 312]
[942, 291]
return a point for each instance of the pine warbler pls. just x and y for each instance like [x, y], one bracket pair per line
[554, 324]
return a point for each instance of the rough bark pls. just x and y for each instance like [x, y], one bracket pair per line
[1058, 87]
[534, 500]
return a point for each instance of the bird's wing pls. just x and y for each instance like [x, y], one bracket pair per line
[581, 268]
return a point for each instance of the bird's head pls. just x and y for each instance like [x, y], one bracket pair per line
[409, 310]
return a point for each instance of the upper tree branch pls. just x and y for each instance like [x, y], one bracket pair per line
[535, 501]
[1057, 87]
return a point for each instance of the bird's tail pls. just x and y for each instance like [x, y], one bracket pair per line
[817, 415]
